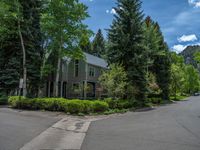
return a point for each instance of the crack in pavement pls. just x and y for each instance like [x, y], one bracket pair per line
[67, 130]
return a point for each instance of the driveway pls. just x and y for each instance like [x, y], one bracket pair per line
[172, 127]
[19, 127]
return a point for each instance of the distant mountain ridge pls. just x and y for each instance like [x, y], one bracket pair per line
[188, 55]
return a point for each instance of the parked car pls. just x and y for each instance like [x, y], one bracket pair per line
[196, 94]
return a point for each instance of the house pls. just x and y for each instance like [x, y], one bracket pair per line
[78, 78]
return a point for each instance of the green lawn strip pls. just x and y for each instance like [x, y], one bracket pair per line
[178, 98]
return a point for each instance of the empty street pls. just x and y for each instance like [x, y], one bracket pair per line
[172, 127]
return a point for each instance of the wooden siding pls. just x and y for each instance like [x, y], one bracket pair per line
[68, 76]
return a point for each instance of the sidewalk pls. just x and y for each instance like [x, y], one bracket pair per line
[67, 134]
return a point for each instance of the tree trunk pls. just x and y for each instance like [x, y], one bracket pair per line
[24, 60]
[58, 66]
[57, 78]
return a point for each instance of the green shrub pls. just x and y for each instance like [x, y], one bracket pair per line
[74, 106]
[155, 100]
[119, 104]
[14, 101]
[112, 111]
[88, 106]
[3, 99]
[100, 106]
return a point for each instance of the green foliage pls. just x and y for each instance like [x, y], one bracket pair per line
[153, 87]
[85, 44]
[177, 79]
[3, 99]
[99, 106]
[185, 78]
[98, 45]
[74, 106]
[178, 97]
[14, 101]
[114, 81]
[10, 50]
[63, 29]
[27, 14]
[155, 100]
[192, 83]
[119, 104]
[125, 37]
[162, 67]
[197, 57]
[158, 56]
[112, 111]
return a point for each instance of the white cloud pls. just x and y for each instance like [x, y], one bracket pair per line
[112, 11]
[178, 48]
[195, 3]
[187, 38]
[107, 11]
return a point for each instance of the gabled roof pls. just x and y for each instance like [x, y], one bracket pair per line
[96, 61]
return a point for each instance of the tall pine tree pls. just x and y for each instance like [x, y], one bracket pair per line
[162, 65]
[10, 49]
[158, 55]
[98, 45]
[126, 38]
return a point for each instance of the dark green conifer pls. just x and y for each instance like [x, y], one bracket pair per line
[126, 36]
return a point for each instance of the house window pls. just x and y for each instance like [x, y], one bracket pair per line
[91, 71]
[76, 87]
[76, 68]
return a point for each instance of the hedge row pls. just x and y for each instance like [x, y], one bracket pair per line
[59, 104]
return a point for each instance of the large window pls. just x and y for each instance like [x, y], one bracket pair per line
[91, 71]
[76, 68]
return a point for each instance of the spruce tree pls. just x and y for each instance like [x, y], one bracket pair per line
[158, 55]
[10, 49]
[126, 38]
[98, 44]
[162, 68]
[162, 65]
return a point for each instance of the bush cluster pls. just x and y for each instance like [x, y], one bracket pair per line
[119, 104]
[154, 100]
[74, 106]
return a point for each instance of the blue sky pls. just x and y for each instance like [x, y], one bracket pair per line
[179, 19]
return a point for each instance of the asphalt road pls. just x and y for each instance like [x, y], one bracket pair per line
[171, 127]
[19, 127]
